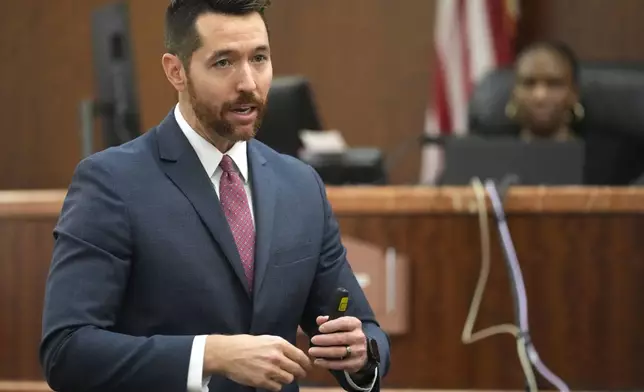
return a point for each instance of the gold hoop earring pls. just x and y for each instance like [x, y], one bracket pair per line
[578, 111]
[511, 110]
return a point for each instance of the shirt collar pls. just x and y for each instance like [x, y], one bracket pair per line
[209, 155]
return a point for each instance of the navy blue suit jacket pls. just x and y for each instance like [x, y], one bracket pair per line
[144, 260]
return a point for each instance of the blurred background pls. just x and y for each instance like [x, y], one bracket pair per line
[406, 83]
[371, 65]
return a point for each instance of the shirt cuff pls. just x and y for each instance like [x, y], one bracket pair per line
[196, 381]
[364, 389]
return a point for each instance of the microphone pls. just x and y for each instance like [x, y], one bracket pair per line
[518, 287]
[120, 104]
[438, 140]
[403, 148]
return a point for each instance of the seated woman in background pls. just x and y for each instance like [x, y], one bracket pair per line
[545, 97]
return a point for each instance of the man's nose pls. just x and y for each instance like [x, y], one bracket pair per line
[246, 81]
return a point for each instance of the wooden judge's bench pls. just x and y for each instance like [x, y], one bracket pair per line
[417, 252]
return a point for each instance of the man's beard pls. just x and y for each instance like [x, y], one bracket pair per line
[213, 119]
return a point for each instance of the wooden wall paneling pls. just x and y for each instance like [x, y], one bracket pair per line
[370, 63]
[45, 73]
[595, 29]
[25, 251]
[367, 61]
[581, 274]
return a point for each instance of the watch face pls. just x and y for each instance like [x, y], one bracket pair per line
[373, 347]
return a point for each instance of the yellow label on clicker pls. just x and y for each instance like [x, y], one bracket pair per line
[343, 304]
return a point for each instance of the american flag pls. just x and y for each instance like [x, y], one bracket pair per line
[471, 38]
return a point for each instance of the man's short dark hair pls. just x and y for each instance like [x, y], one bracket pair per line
[181, 35]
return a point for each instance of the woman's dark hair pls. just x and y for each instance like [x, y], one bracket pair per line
[561, 49]
[181, 35]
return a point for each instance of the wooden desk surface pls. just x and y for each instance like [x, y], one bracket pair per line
[424, 200]
[364, 200]
[24, 386]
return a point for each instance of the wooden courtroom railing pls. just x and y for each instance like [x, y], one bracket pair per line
[24, 386]
[580, 250]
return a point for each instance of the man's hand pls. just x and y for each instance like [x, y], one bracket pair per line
[268, 362]
[336, 335]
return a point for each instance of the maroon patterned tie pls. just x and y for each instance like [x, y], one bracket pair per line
[234, 202]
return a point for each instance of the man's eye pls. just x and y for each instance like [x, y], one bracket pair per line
[260, 58]
[222, 63]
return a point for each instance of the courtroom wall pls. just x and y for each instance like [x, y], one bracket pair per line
[369, 62]
[596, 29]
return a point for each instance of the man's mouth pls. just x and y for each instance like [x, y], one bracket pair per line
[244, 109]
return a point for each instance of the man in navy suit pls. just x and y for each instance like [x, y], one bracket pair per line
[186, 259]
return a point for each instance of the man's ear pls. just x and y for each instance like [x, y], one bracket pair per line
[174, 71]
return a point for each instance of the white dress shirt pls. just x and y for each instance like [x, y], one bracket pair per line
[210, 157]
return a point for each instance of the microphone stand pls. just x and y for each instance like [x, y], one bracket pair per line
[402, 149]
[518, 287]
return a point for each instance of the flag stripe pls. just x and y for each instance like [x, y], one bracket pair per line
[503, 38]
[444, 118]
[481, 45]
[465, 46]
[471, 38]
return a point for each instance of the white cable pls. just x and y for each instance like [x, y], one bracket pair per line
[467, 336]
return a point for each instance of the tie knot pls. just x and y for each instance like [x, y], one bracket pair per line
[227, 165]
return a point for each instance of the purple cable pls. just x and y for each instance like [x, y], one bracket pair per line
[522, 301]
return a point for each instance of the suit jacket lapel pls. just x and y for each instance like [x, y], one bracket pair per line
[181, 164]
[264, 190]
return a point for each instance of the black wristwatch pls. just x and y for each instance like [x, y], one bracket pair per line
[373, 359]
